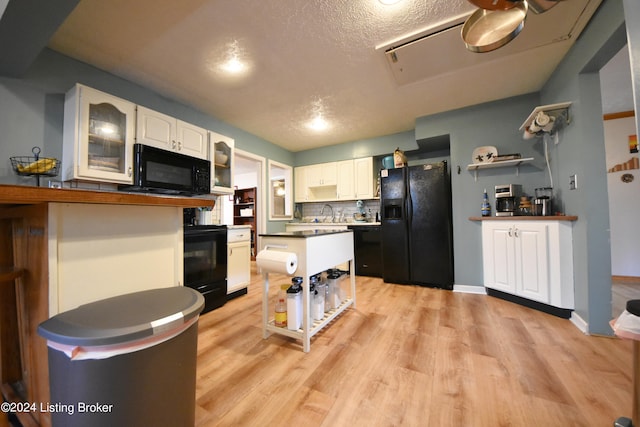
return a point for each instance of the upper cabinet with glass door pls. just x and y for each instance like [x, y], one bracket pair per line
[221, 157]
[98, 134]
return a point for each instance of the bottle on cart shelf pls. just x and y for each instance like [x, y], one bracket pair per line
[318, 305]
[294, 304]
[334, 288]
[313, 281]
[281, 307]
[314, 284]
[323, 299]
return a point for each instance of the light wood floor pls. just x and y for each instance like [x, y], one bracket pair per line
[410, 356]
[623, 289]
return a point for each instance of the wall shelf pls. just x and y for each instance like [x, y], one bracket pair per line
[501, 164]
[560, 113]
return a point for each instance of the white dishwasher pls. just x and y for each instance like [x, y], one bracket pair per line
[238, 260]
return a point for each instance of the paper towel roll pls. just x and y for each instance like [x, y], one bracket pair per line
[277, 261]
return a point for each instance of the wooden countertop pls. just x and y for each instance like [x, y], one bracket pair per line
[26, 195]
[525, 218]
[9, 274]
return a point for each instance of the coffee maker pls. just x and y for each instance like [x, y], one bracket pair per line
[507, 196]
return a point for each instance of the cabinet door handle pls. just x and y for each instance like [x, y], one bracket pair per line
[173, 144]
[510, 232]
[515, 232]
[179, 145]
[130, 171]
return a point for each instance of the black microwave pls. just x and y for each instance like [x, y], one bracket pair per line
[161, 171]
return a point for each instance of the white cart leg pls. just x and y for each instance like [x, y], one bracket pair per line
[306, 297]
[265, 305]
[352, 275]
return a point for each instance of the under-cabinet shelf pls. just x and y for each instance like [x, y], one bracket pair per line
[101, 139]
[501, 164]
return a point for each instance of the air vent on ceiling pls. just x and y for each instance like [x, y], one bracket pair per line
[439, 49]
[426, 53]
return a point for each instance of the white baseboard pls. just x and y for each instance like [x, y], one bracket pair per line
[579, 323]
[468, 289]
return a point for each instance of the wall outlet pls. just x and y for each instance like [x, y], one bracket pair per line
[573, 182]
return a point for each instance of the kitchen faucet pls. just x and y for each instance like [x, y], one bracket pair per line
[322, 211]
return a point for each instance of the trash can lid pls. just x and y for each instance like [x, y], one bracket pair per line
[125, 318]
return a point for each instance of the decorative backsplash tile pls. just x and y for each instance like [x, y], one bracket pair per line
[341, 210]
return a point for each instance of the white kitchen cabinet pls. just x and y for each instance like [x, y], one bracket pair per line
[322, 175]
[222, 160]
[326, 182]
[98, 137]
[530, 259]
[168, 133]
[300, 184]
[363, 177]
[345, 180]
[319, 183]
[238, 258]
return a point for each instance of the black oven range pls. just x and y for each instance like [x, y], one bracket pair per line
[205, 263]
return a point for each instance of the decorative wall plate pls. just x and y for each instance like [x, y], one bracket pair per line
[484, 154]
[626, 178]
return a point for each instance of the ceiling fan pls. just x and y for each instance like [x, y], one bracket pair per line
[497, 22]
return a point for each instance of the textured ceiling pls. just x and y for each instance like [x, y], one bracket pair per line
[305, 57]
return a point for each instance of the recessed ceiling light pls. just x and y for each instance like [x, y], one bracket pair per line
[318, 124]
[389, 2]
[234, 63]
[234, 66]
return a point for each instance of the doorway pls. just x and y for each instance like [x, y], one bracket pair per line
[248, 172]
[623, 179]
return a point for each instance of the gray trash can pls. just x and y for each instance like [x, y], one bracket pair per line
[125, 361]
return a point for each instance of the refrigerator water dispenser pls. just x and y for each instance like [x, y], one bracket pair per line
[393, 209]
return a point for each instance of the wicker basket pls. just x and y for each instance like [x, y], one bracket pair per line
[30, 165]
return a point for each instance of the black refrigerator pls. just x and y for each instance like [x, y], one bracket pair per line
[417, 237]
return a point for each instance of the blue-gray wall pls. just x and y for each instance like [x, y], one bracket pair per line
[31, 110]
[582, 152]
[379, 146]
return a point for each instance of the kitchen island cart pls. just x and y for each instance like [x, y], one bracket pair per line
[317, 251]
